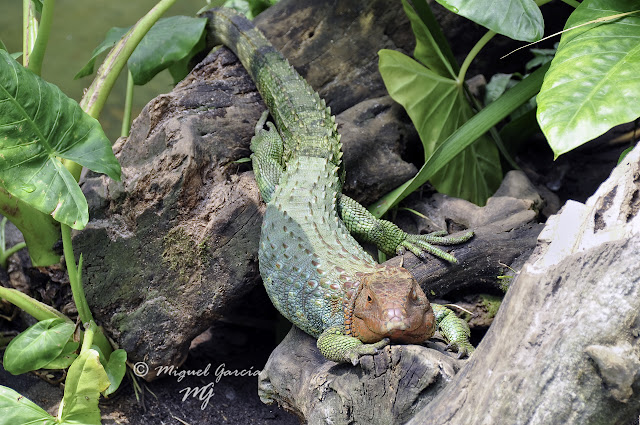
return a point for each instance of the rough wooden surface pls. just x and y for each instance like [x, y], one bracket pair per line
[387, 388]
[173, 245]
[505, 229]
[564, 346]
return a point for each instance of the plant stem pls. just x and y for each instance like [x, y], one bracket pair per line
[495, 135]
[29, 30]
[96, 95]
[4, 252]
[76, 286]
[4, 256]
[128, 103]
[472, 54]
[40, 46]
[87, 339]
[31, 306]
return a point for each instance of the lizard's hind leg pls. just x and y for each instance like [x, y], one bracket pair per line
[267, 148]
[389, 238]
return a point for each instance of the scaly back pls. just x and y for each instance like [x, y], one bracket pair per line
[303, 119]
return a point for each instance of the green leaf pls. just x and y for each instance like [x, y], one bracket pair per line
[427, 50]
[168, 41]
[66, 357]
[16, 409]
[86, 379]
[38, 126]
[116, 368]
[540, 57]
[240, 6]
[592, 84]
[181, 68]
[497, 86]
[37, 346]
[624, 153]
[112, 37]
[517, 19]
[249, 8]
[38, 5]
[438, 106]
[463, 137]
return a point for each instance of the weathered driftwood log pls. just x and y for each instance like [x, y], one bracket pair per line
[564, 346]
[387, 388]
[392, 386]
[505, 235]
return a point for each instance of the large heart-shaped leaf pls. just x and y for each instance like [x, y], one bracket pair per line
[517, 19]
[593, 83]
[437, 106]
[463, 137]
[168, 41]
[39, 125]
[428, 50]
[116, 368]
[37, 346]
[65, 358]
[17, 409]
[86, 379]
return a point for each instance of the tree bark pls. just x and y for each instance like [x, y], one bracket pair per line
[505, 229]
[564, 345]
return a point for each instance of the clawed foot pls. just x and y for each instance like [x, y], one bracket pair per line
[357, 352]
[463, 348]
[420, 245]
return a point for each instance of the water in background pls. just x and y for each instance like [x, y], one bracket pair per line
[78, 27]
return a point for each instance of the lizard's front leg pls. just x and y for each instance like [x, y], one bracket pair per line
[267, 148]
[454, 329]
[341, 348]
[389, 238]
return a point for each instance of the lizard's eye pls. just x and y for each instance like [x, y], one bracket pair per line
[414, 294]
[369, 298]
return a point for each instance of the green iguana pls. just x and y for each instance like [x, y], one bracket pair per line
[315, 272]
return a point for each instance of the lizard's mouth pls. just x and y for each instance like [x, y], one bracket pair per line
[397, 328]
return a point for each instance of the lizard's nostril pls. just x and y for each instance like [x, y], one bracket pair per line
[395, 314]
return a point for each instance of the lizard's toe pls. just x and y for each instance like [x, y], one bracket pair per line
[463, 348]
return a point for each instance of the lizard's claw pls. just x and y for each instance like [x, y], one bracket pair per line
[355, 353]
[463, 348]
[419, 245]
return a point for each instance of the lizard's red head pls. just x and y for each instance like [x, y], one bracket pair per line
[390, 304]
